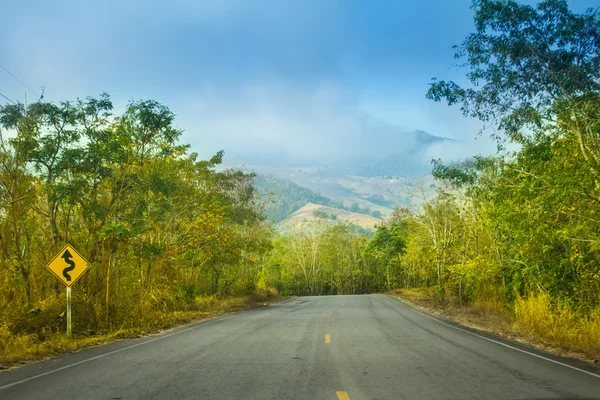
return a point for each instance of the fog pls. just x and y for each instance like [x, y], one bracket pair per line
[279, 125]
[316, 82]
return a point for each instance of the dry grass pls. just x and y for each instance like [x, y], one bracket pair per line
[304, 218]
[22, 348]
[559, 324]
[18, 349]
[533, 320]
[489, 316]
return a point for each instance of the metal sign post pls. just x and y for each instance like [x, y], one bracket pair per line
[68, 311]
[68, 266]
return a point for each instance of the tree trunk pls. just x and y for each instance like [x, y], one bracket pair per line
[215, 281]
[388, 278]
[107, 302]
[53, 223]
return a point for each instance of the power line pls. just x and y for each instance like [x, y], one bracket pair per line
[18, 80]
[7, 98]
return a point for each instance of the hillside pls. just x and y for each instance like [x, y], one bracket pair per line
[313, 216]
[391, 168]
[284, 197]
[295, 187]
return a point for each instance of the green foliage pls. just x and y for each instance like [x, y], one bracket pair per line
[521, 60]
[388, 241]
[330, 261]
[380, 200]
[527, 222]
[458, 173]
[158, 226]
[384, 252]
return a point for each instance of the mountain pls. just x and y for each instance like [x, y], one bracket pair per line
[378, 149]
[285, 197]
[314, 216]
[369, 172]
[294, 187]
[391, 152]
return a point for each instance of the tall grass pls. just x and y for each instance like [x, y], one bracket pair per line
[558, 323]
[38, 335]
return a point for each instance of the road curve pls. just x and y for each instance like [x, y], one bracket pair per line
[330, 347]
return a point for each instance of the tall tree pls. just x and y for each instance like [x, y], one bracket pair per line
[523, 61]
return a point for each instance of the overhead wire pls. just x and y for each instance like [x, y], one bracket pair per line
[18, 80]
[7, 98]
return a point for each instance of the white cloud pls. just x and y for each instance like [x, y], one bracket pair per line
[322, 121]
[265, 118]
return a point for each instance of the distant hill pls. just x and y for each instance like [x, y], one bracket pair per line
[370, 170]
[286, 197]
[314, 216]
[377, 196]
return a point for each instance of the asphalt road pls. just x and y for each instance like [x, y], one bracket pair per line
[338, 347]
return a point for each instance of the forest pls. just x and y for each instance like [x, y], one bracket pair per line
[520, 229]
[162, 230]
[168, 234]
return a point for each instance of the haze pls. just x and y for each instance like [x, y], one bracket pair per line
[310, 80]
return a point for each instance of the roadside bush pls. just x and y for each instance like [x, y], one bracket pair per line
[558, 323]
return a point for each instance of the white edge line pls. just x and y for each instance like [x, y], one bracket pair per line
[202, 323]
[495, 341]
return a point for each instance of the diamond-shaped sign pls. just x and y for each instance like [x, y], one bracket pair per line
[68, 265]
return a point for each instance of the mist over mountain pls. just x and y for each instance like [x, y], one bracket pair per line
[392, 153]
[367, 169]
[375, 149]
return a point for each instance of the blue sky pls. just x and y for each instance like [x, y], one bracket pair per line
[246, 74]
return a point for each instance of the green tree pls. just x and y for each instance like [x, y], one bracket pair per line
[387, 247]
[522, 60]
[535, 74]
[158, 225]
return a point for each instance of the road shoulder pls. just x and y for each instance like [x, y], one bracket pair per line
[93, 346]
[509, 342]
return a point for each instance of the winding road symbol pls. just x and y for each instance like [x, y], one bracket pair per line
[68, 265]
[67, 257]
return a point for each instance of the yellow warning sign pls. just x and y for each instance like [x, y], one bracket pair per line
[68, 265]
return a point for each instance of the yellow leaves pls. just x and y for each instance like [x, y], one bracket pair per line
[153, 223]
[558, 323]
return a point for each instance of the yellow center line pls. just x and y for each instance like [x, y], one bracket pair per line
[332, 319]
[342, 395]
[327, 339]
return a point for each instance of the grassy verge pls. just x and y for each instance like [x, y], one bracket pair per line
[533, 321]
[22, 348]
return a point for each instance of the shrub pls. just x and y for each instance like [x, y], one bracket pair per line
[558, 323]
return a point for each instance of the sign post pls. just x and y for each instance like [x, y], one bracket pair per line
[68, 266]
[69, 311]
